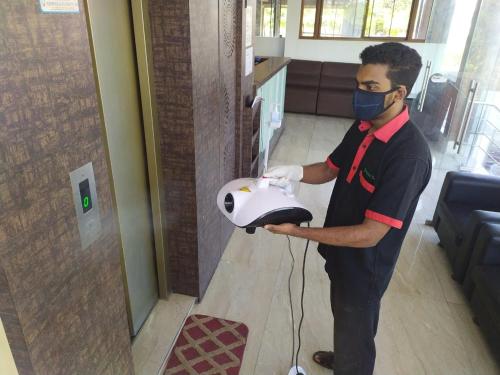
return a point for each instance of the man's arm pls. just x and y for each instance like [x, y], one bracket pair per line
[367, 234]
[319, 173]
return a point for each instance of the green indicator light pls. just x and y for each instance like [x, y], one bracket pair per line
[85, 202]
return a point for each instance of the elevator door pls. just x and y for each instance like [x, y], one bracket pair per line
[113, 45]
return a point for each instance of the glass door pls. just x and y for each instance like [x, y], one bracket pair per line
[435, 106]
[457, 108]
[478, 141]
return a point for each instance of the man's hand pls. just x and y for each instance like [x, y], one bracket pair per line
[318, 173]
[367, 234]
[288, 229]
[290, 172]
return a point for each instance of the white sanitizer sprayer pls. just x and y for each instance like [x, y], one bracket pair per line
[252, 202]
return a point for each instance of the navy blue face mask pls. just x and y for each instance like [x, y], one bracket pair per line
[367, 105]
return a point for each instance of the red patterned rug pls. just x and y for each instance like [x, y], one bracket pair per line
[208, 346]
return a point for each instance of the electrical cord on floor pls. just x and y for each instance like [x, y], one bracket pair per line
[296, 354]
[290, 296]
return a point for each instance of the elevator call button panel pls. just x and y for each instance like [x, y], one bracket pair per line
[85, 196]
[86, 204]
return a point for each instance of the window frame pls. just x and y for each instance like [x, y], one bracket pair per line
[319, 16]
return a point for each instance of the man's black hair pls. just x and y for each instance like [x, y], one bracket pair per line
[404, 62]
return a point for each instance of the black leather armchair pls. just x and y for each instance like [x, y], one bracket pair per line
[467, 201]
[486, 252]
[482, 284]
[474, 224]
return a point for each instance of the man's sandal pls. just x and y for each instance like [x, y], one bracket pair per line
[324, 359]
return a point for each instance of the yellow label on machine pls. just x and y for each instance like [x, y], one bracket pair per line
[245, 189]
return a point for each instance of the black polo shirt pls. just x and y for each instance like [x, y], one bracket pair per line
[380, 176]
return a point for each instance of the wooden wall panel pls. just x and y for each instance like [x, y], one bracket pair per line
[171, 49]
[68, 302]
[229, 59]
[197, 75]
[245, 129]
[204, 21]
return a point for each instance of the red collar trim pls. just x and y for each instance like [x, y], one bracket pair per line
[364, 126]
[386, 132]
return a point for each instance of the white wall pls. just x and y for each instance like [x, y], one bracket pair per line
[7, 364]
[265, 46]
[338, 50]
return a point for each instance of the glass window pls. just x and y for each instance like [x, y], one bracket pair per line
[308, 18]
[283, 15]
[265, 18]
[271, 18]
[388, 18]
[342, 18]
[366, 19]
[422, 19]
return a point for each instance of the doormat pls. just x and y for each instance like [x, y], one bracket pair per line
[208, 346]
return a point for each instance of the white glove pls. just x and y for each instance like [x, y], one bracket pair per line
[284, 174]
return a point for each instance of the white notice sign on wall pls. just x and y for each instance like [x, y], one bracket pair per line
[59, 6]
[249, 27]
[248, 61]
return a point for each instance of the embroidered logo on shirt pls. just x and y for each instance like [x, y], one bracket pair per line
[369, 176]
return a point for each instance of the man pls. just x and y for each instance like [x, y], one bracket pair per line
[382, 166]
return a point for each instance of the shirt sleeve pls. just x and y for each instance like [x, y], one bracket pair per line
[337, 158]
[397, 190]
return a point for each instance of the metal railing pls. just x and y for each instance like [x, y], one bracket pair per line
[477, 131]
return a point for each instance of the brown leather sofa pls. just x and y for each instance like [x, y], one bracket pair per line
[336, 87]
[323, 88]
[302, 83]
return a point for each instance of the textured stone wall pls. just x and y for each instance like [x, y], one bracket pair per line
[63, 307]
[197, 60]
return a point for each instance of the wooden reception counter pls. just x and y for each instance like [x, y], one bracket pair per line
[269, 84]
[265, 70]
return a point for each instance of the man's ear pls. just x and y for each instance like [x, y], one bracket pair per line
[400, 93]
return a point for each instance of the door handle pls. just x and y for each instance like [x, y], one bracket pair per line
[464, 125]
[425, 85]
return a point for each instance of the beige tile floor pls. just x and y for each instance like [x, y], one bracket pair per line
[425, 323]
[158, 334]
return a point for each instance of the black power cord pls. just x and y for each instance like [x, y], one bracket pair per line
[296, 354]
[290, 297]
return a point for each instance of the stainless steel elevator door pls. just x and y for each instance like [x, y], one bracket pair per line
[112, 34]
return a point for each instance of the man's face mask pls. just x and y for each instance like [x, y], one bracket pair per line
[367, 105]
